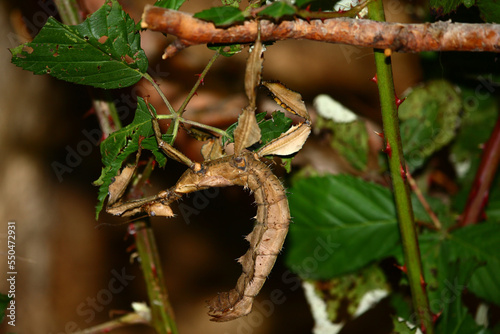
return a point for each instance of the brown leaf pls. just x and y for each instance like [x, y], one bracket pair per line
[288, 143]
[288, 99]
[247, 132]
[254, 70]
[117, 188]
[212, 150]
[159, 210]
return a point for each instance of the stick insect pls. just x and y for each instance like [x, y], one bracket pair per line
[245, 169]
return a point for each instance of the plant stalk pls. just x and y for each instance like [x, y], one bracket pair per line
[399, 181]
[161, 310]
[201, 77]
[69, 11]
[479, 193]
[162, 313]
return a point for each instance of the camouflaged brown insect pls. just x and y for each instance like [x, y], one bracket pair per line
[268, 235]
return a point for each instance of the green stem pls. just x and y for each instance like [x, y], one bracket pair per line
[400, 185]
[157, 88]
[197, 84]
[69, 11]
[174, 126]
[161, 310]
[204, 126]
[162, 313]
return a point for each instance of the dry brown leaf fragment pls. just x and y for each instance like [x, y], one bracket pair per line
[247, 132]
[119, 185]
[288, 143]
[288, 99]
[253, 71]
[159, 209]
[212, 149]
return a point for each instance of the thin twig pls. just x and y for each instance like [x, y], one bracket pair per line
[423, 201]
[201, 77]
[479, 193]
[126, 320]
[439, 36]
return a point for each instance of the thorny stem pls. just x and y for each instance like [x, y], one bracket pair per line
[163, 317]
[399, 183]
[162, 312]
[160, 92]
[174, 126]
[478, 196]
[201, 77]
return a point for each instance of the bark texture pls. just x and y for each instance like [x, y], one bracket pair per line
[439, 36]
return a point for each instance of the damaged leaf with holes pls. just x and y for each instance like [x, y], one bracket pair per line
[103, 51]
[430, 117]
[121, 144]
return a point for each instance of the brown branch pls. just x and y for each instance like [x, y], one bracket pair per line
[439, 36]
[479, 193]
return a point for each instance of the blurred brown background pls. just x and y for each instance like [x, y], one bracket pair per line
[65, 264]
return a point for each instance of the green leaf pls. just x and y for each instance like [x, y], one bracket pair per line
[445, 257]
[493, 208]
[121, 144]
[340, 224]
[480, 241]
[104, 51]
[171, 4]
[489, 10]
[4, 303]
[274, 127]
[454, 277]
[443, 7]
[300, 3]
[429, 118]
[478, 120]
[277, 10]
[349, 139]
[269, 129]
[230, 130]
[221, 16]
